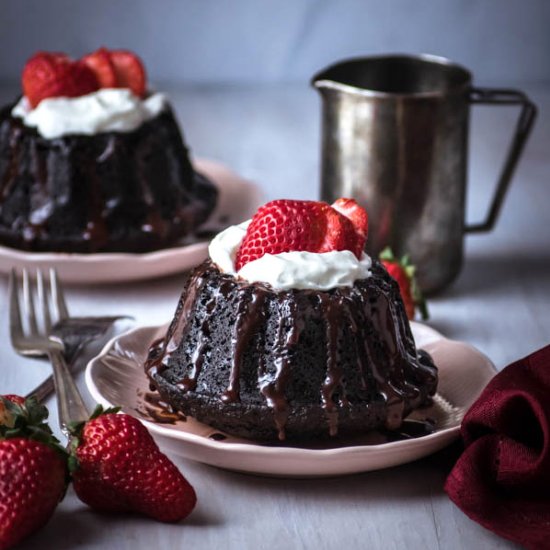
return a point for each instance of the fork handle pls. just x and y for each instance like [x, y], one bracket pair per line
[70, 405]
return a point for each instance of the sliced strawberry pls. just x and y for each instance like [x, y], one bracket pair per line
[55, 75]
[81, 80]
[358, 217]
[101, 64]
[39, 76]
[340, 233]
[129, 70]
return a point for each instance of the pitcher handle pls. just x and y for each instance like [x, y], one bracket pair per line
[524, 125]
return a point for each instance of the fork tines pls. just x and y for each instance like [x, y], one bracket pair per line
[45, 290]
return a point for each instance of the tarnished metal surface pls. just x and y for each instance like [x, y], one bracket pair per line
[394, 137]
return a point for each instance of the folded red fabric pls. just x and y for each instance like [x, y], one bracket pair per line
[502, 480]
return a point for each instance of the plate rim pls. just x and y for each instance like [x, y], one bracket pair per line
[239, 447]
[97, 256]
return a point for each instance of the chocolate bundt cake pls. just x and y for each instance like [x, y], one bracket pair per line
[90, 161]
[271, 364]
[114, 191]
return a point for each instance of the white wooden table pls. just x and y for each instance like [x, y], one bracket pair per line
[500, 303]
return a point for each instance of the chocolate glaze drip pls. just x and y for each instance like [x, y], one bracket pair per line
[249, 315]
[161, 350]
[333, 308]
[272, 386]
[258, 363]
[114, 191]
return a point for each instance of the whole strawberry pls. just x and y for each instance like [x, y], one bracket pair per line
[119, 468]
[33, 470]
[312, 226]
[403, 272]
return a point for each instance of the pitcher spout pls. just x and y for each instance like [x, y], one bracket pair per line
[324, 82]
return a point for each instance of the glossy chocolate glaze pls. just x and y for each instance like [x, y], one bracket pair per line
[114, 191]
[266, 364]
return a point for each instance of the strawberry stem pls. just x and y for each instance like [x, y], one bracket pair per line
[29, 421]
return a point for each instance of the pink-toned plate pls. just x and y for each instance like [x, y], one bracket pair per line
[238, 200]
[116, 377]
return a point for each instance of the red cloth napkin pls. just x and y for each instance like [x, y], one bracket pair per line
[502, 480]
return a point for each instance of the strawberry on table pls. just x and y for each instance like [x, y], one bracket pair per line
[403, 272]
[293, 225]
[33, 470]
[55, 75]
[119, 468]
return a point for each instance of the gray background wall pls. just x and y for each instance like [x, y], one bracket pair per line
[266, 41]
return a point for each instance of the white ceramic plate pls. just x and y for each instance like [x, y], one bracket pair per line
[116, 377]
[238, 200]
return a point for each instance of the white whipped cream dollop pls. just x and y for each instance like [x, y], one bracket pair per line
[105, 110]
[298, 270]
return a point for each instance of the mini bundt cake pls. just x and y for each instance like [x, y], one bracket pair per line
[265, 355]
[98, 170]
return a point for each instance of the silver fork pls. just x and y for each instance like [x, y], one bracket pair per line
[75, 332]
[33, 338]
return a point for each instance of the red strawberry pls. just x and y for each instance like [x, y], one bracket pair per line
[403, 272]
[33, 471]
[121, 469]
[359, 219]
[55, 75]
[290, 225]
[129, 70]
[101, 64]
[339, 231]
[32, 482]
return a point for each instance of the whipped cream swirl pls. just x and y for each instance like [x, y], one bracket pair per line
[105, 110]
[298, 270]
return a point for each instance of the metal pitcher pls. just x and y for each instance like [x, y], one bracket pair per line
[395, 138]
